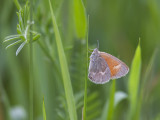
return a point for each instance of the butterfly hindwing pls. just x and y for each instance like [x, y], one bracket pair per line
[99, 72]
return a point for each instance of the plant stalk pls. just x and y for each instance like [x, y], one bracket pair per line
[86, 79]
[31, 68]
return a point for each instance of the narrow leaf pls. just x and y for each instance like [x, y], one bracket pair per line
[86, 79]
[133, 83]
[44, 110]
[17, 4]
[80, 19]
[10, 39]
[15, 43]
[64, 69]
[20, 48]
[11, 36]
[119, 96]
[144, 82]
[111, 101]
[36, 37]
[109, 106]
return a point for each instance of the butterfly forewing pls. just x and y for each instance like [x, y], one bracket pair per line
[116, 66]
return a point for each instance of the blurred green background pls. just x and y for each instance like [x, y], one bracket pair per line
[117, 24]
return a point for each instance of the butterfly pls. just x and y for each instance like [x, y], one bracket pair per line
[103, 67]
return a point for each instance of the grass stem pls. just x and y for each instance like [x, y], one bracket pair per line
[86, 79]
[31, 68]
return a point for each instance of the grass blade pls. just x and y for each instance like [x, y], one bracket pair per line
[64, 69]
[109, 107]
[80, 19]
[17, 4]
[44, 111]
[134, 80]
[141, 99]
[111, 100]
[86, 79]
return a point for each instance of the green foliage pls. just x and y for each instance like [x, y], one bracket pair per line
[60, 57]
[23, 30]
[44, 110]
[111, 101]
[133, 83]
[93, 106]
[109, 106]
[80, 19]
[64, 69]
[86, 78]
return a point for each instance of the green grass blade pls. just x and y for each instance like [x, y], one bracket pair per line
[64, 69]
[111, 101]
[44, 111]
[86, 79]
[118, 97]
[149, 68]
[109, 106]
[17, 4]
[144, 82]
[133, 83]
[80, 19]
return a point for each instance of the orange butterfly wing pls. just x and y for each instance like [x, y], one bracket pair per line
[117, 67]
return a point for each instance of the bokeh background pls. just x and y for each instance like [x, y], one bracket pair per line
[117, 24]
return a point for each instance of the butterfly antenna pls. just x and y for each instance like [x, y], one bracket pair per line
[98, 44]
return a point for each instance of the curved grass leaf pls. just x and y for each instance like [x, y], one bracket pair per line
[20, 48]
[133, 83]
[64, 69]
[15, 43]
[12, 36]
[119, 96]
[80, 19]
[10, 39]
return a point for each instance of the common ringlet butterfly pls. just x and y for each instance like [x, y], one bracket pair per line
[104, 67]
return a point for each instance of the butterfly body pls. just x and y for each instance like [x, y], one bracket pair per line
[104, 67]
